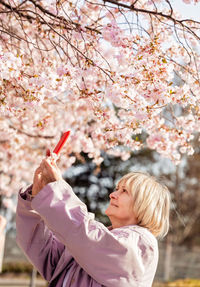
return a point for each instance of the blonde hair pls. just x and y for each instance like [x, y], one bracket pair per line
[151, 201]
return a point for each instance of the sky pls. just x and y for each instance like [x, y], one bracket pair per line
[187, 10]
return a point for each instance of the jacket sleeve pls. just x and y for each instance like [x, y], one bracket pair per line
[105, 255]
[33, 236]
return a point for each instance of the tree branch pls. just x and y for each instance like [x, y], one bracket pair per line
[156, 13]
[30, 135]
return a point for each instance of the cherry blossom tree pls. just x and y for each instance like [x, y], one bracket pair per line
[103, 69]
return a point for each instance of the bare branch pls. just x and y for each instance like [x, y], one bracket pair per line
[30, 135]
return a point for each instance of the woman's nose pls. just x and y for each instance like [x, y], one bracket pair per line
[113, 194]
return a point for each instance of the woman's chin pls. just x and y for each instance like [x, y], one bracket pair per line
[109, 211]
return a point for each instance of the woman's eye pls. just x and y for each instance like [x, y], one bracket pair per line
[124, 190]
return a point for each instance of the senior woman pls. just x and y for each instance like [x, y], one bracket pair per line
[70, 248]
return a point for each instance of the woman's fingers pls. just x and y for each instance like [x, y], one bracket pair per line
[36, 174]
[47, 172]
[38, 183]
[46, 166]
[47, 162]
[50, 170]
[38, 170]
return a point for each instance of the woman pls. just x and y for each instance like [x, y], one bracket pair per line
[70, 248]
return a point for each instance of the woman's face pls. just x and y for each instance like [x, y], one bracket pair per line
[120, 209]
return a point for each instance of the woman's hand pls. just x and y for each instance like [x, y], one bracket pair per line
[47, 172]
[38, 182]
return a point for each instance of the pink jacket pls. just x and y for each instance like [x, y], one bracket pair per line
[60, 236]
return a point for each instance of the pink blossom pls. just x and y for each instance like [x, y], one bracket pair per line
[101, 78]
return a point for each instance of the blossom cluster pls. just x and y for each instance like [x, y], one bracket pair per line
[107, 81]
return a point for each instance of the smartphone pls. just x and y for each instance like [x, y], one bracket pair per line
[61, 142]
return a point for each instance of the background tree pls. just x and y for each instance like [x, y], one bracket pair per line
[103, 69]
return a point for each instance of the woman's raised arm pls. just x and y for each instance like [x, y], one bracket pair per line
[39, 243]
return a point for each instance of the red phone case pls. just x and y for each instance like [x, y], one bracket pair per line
[61, 142]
